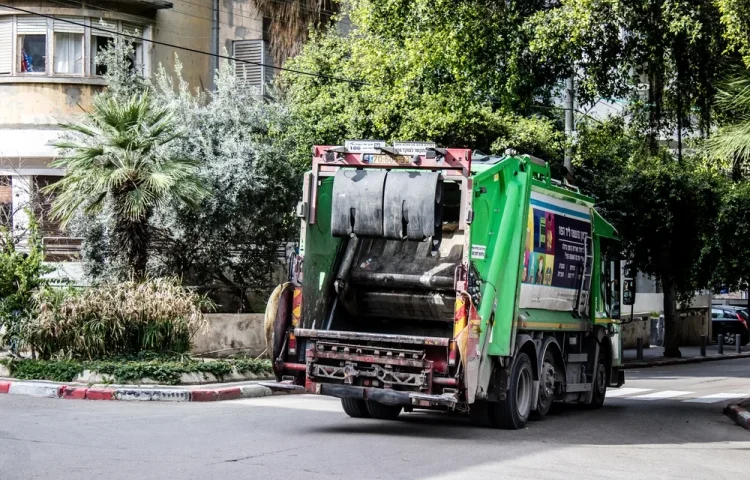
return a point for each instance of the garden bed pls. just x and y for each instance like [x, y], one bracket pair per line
[182, 371]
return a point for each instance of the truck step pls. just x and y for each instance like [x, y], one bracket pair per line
[578, 357]
[577, 387]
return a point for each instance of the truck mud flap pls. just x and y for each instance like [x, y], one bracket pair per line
[386, 397]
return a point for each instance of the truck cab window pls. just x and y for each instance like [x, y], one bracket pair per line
[610, 278]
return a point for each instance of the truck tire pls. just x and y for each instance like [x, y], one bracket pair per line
[355, 408]
[383, 412]
[513, 412]
[599, 383]
[547, 377]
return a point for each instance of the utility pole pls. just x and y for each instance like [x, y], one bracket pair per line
[569, 126]
[214, 43]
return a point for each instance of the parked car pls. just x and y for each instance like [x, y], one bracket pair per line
[728, 321]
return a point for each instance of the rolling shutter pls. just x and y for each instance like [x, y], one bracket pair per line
[6, 44]
[103, 27]
[30, 25]
[132, 29]
[65, 27]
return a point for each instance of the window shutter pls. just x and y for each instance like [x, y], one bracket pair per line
[132, 29]
[249, 74]
[103, 27]
[31, 25]
[6, 44]
[65, 27]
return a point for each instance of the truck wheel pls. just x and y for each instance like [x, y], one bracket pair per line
[546, 386]
[383, 412]
[599, 384]
[355, 408]
[514, 411]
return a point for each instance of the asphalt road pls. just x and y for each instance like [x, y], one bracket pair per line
[667, 424]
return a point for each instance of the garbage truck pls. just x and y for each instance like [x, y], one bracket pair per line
[437, 278]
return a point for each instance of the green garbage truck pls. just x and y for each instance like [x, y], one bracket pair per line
[445, 279]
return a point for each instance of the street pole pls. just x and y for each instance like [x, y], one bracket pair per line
[569, 124]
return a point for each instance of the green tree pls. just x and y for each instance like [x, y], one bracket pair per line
[119, 154]
[665, 211]
[665, 56]
[231, 241]
[422, 70]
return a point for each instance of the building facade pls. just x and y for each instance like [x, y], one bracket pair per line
[48, 76]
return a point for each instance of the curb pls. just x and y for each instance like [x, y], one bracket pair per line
[158, 394]
[680, 361]
[740, 416]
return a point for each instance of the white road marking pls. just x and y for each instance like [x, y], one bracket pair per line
[621, 392]
[660, 395]
[717, 397]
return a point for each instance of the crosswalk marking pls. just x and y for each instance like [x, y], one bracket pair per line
[661, 395]
[717, 397]
[620, 392]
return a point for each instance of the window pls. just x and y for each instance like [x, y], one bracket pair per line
[69, 53]
[42, 202]
[68, 48]
[61, 46]
[6, 201]
[249, 68]
[32, 44]
[98, 44]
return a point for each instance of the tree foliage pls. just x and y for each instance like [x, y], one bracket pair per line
[232, 240]
[22, 272]
[457, 73]
[119, 153]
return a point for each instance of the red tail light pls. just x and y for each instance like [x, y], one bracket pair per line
[742, 320]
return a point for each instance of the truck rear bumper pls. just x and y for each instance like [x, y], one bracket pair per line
[384, 396]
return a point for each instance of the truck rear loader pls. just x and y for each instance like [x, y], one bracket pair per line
[430, 278]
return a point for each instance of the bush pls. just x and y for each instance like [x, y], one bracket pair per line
[21, 275]
[162, 369]
[116, 319]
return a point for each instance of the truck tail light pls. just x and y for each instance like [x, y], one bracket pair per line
[296, 314]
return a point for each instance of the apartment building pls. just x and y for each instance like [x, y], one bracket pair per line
[48, 76]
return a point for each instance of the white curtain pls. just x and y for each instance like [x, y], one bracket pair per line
[69, 53]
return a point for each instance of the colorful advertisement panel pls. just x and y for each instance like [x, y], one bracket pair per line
[555, 252]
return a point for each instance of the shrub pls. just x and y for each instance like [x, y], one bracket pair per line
[21, 275]
[116, 319]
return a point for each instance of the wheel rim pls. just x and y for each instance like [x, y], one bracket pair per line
[601, 378]
[523, 393]
[547, 387]
[729, 339]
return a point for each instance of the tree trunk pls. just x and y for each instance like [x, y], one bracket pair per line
[133, 238]
[671, 328]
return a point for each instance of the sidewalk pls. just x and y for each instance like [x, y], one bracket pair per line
[654, 356]
[163, 393]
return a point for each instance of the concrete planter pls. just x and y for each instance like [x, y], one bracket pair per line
[231, 333]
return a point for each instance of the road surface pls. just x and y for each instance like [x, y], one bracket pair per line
[665, 423]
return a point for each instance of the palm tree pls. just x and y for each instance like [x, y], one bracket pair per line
[731, 142]
[119, 154]
[290, 21]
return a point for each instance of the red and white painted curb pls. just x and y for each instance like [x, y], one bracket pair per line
[739, 414]
[82, 392]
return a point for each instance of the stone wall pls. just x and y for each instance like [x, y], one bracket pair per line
[231, 333]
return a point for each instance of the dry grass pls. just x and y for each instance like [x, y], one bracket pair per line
[117, 319]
